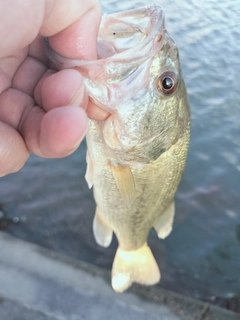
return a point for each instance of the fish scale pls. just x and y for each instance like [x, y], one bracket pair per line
[136, 157]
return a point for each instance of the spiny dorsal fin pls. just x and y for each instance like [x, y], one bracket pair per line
[125, 182]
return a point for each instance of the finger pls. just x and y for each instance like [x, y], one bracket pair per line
[56, 133]
[37, 50]
[14, 104]
[49, 17]
[53, 134]
[28, 75]
[13, 151]
[96, 113]
[78, 41]
[22, 20]
[65, 87]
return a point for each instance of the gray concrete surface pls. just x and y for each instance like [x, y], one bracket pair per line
[39, 284]
[11, 310]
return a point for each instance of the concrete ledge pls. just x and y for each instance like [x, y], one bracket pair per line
[11, 310]
[41, 284]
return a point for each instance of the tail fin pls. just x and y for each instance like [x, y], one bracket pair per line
[134, 266]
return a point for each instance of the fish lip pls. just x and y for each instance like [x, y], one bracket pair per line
[157, 19]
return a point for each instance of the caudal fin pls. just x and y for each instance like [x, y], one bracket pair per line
[134, 266]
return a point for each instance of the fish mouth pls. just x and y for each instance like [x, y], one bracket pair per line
[125, 41]
[129, 33]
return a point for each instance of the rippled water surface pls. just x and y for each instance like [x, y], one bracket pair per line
[201, 257]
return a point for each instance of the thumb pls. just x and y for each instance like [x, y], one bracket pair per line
[24, 20]
[78, 38]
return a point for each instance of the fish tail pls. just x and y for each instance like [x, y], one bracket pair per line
[134, 266]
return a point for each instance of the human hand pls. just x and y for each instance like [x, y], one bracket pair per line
[39, 107]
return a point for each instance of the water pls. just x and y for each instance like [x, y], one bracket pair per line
[201, 257]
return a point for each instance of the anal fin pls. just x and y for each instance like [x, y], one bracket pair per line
[102, 232]
[134, 266]
[125, 183]
[163, 224]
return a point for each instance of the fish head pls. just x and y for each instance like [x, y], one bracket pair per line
[137, 78]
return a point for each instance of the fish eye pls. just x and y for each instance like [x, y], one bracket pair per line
[167, 83]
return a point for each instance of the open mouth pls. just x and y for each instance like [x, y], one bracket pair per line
[130, 32]
[125, 41]
[123, 36]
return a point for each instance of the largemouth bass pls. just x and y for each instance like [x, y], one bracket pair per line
[136, 157]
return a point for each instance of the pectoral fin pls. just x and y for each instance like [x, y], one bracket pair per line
[163, 225]
[125, 182]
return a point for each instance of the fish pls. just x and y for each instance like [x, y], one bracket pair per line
[137, 156]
